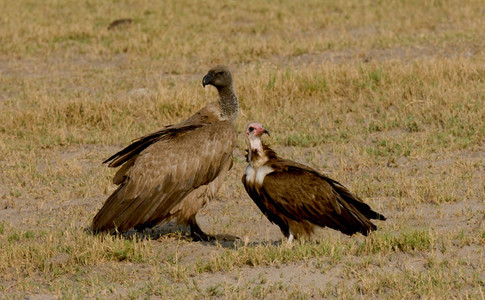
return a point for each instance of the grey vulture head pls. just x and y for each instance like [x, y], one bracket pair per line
[219, 76]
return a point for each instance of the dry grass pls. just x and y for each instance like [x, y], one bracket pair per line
[386, 97]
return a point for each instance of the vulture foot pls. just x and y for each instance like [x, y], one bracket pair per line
[197, 234]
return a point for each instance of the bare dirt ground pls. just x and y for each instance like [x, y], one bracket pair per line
[234, 213]
[389, 102]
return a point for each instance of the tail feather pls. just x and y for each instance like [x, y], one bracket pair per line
[104, 221]
[356, 202]
[357, 214]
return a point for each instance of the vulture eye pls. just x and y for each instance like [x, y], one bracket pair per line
[251, 129]
[219, 73]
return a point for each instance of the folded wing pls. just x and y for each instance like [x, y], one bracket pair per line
[160, 169]
[302, 194]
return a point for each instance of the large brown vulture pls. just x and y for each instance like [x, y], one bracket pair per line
[170, 174]
[296, 197]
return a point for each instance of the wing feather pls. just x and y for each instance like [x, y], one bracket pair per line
[163, 173]
[142, 143]
[207, 115]
[300, 195]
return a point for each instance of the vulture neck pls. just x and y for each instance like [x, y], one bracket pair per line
[228, 103]
[258, 153]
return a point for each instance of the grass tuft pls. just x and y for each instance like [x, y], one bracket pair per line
[389, 102]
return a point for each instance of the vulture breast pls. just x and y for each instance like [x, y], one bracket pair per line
[257, 176]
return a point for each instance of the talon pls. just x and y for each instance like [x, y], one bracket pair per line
[197, 234]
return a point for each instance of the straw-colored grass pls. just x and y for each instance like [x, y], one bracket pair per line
[387, 97]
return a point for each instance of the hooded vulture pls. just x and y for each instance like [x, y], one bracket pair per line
[296, 197]
[172, 173]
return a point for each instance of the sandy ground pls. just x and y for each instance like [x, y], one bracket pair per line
[233, 212]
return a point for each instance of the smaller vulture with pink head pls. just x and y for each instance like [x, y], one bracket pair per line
[296, 197]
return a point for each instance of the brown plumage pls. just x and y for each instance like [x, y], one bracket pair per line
[296, 197]
[170, 174]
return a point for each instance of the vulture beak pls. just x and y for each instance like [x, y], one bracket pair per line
[266, 131]
[206, 80]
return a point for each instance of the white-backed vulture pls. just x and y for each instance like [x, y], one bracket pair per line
[296, 197]
[170, 174]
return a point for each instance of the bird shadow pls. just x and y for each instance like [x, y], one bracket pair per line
[181, 232]
[228, 242]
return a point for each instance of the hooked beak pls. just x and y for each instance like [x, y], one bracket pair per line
[206, 80]
[261, 132]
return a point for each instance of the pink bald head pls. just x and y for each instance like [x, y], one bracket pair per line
[255, 129]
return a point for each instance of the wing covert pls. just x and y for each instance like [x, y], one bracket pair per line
[164, 173]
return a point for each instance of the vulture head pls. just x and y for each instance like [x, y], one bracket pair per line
[219, 76]
[255, 130]
[253, 134]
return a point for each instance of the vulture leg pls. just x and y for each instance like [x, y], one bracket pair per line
[196, 233]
